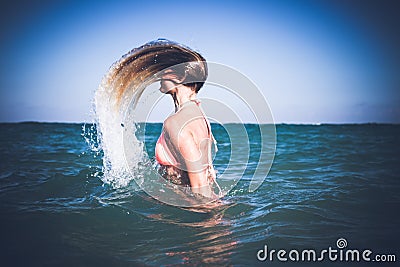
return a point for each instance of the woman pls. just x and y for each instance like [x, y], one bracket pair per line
[184, 147]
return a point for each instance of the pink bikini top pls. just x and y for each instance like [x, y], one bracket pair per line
[163, 154]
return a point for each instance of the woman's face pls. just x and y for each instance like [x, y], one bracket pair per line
[169, 81]
[167, 86]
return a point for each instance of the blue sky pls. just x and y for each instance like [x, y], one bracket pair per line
[314, 61]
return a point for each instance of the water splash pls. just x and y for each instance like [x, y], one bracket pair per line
[110, 132]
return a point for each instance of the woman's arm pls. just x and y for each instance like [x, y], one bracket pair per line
[194, 162]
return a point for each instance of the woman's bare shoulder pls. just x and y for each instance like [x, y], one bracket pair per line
[183, 122]
[178, 124]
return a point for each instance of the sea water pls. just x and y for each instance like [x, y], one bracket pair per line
[326, 182]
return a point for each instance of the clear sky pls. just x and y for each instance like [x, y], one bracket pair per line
[315, 61]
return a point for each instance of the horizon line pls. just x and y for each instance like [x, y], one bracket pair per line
[153, 122]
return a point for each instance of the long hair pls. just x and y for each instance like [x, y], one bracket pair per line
[144, 63]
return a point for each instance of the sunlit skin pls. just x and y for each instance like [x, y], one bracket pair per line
[189, 135]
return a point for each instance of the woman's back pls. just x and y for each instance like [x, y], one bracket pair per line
[189, 125]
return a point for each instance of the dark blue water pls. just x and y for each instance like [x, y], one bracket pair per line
[326, 182]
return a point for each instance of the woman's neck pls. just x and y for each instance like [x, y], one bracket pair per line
[183, 95]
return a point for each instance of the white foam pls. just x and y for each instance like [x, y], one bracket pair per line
[120, 160]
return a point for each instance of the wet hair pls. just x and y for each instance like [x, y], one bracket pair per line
[146, 64]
